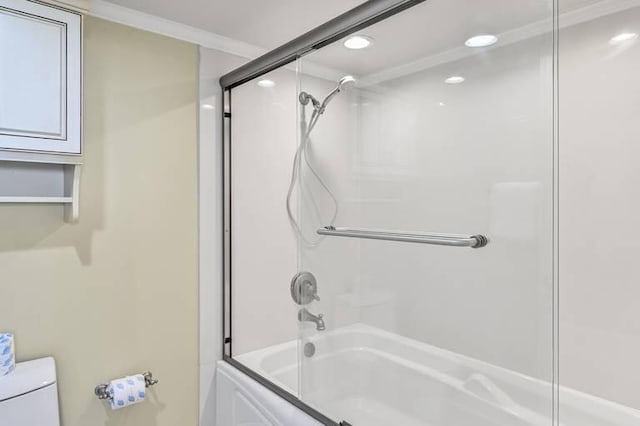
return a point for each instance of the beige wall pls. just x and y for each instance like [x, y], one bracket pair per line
[117, 292]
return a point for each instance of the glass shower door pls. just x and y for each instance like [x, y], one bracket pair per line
[435, 140]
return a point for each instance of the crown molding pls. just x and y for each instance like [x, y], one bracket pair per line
[594, 11]
[133, 18]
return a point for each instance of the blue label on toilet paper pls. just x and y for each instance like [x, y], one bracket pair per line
[7, 355]
[8, 362]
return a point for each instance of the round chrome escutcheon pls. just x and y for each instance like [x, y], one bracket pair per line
[304, 288]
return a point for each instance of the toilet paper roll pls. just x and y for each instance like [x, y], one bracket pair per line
[126, 391]
[7, 354]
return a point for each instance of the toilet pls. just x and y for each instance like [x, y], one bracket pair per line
[29, 395]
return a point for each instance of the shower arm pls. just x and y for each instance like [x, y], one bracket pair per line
[305, 97]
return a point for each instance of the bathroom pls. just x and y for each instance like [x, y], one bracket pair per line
[338, 212]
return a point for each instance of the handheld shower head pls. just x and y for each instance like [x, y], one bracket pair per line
[346, 80]
[343, 83]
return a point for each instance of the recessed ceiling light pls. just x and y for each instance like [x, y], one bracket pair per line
[266, 83]
[207, 106]
[456, 79]
[482, 40]
[441, 103]
[622, 37]
[358, 42]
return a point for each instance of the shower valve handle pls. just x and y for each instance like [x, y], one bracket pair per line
[304, 288]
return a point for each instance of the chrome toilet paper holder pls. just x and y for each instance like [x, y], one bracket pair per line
[102, 392]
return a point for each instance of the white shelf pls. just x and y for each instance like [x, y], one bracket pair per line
[27, 182]
[37, 200]
[39, 157]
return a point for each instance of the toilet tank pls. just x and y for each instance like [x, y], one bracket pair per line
[29, 395]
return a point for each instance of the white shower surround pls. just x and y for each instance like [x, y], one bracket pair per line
[597, 315]
[365, 375]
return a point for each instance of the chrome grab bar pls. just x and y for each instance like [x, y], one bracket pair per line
[454, 240]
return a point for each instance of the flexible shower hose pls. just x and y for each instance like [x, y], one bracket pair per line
[296, 176]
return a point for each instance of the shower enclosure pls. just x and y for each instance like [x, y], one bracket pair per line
[391, 205]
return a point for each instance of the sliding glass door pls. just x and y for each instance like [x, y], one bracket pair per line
[423, 208]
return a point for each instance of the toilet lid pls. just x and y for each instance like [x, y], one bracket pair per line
[28, 377]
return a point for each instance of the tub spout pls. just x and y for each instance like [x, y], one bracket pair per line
[305, 315]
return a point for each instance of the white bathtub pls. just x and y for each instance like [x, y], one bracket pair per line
[370, 377]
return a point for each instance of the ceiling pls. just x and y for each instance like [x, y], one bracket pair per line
[434, 32]
[263, 23]
[433, 29]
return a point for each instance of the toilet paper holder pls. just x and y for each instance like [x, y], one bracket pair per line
[102, 392]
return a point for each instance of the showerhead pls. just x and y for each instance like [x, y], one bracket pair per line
[347, 80]
[344, 83]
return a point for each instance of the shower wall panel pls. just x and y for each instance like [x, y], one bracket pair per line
[264, 249]
[599, 205]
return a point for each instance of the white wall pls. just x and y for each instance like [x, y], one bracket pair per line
[599, 209]
[213, 64]
[263, 249]
[473, 158]
[264, 252]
